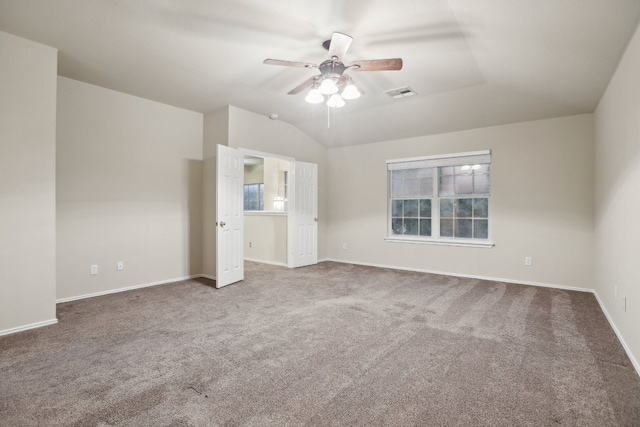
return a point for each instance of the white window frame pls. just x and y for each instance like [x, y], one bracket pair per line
[455, 159]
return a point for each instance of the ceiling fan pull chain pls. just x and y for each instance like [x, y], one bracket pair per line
[328, 117]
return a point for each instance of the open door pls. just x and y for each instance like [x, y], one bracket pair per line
[229, 216]
[305, 223]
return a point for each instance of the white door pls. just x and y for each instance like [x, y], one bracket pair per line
[305, 227]
[229, 216]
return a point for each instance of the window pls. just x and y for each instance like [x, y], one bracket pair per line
[254, 197]
[440, 199]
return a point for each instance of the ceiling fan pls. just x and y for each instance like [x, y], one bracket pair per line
[332, 80]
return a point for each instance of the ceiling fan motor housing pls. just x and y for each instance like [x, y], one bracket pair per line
[331, 66]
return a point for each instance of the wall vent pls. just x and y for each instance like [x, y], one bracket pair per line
[401, 92]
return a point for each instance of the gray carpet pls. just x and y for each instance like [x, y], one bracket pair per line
[332, 344]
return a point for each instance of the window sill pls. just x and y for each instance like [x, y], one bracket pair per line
[269, 213]
[442, 242]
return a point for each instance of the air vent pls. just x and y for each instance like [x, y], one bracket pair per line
[401, 92]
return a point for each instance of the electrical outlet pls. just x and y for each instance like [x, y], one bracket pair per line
[94, 269]
[344, 246]
[120, 265]
[527, 261]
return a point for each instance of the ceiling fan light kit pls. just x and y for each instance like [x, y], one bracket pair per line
[314, 97]
[336, 101]
[350, 92]
[328, 87]
[332, 82]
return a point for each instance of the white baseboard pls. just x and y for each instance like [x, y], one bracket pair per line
[207, 276]
[626, 347]
[260, 261]
[27, 327]
[468, 276]
[128, 288]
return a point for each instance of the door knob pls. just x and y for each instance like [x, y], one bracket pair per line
[222, 224]
[315, 219]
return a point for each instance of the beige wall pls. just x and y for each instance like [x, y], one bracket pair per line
[129, 188]
[541, 204]
[255, 132]
[617, 135]
[27, 183]
[254, 174]
[216, 131]
[265, 238]
[271, 176]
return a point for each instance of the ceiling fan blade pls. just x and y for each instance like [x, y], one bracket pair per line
[339, 45]
[376, 65]
[302, 86]
[288, 63]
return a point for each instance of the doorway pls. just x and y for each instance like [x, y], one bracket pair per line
[301, 186]
[266, 208]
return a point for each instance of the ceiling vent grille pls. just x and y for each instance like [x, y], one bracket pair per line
[401, 92]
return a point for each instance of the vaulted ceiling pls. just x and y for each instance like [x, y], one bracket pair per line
[472, 63]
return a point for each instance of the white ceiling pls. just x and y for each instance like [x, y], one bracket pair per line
[473, 63]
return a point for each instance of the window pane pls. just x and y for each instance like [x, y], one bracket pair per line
[425, 227]
[462, 170]
[426, 186]
[446, 186]
[396, 225]
[411, 173]
[480, 229]
[397, 187]
[446, 170]
[425, 208]
[251, 197]
[484, 168]
[425, 172]
[481, 184]
[463, 228]
[446, 208]
[480, 208]
[463, 184]
[411, 227]
[446, 228]
[396, 208]
[411, 187]
[411, 208]
[463, 208]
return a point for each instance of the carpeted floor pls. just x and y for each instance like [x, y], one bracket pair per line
[332, 344]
